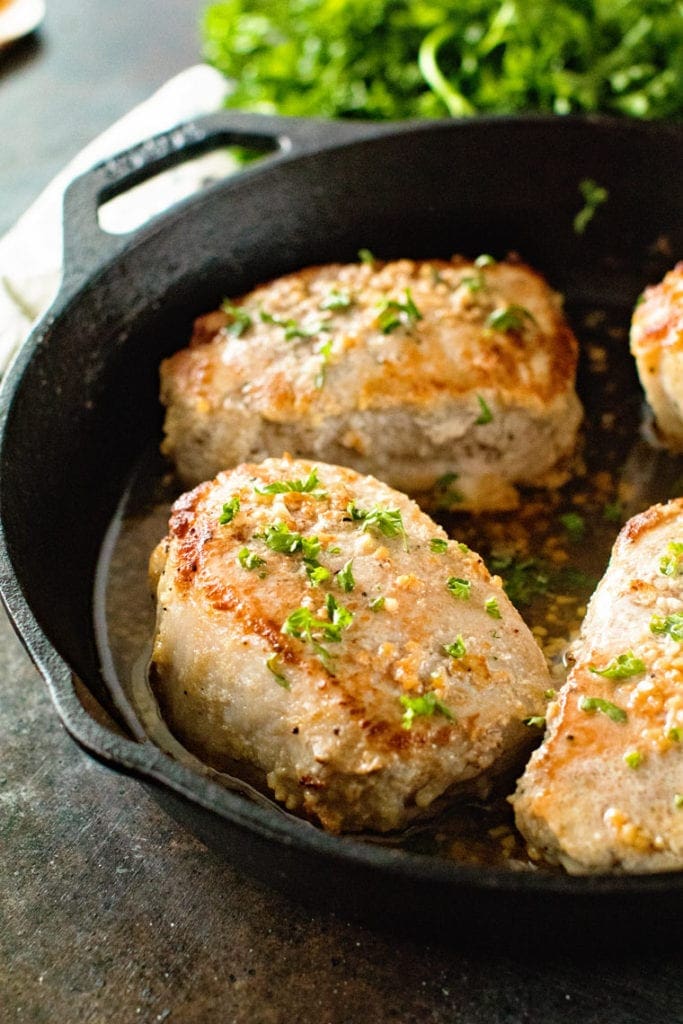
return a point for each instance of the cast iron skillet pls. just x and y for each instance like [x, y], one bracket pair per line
[79, 405]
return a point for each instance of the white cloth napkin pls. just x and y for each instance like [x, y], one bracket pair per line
[31, 252]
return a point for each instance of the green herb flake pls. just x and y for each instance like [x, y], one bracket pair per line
[671, 564]
[485, 414]
[304, 625]
[273, 666]
[345, 577]
[510, 319]
[473, 282]
[337, 300]
[678, 801]
[523, 579]
[377, 603]
[574, 524]
[325, 353]
[387, 521]
[605, 707]
[550, 694]
[622, 667]
[457, 649]
[425, 706]
[634, 758]
[484, 260]
[438, 545]
[613, 512]
[317, 574]
[459, 588]
[491, 607]
[668, 625]
[675, 734]
[280, 538]
[535, 721]
[593, 195]
[311, 485]
[240, 320]
[230, 510]
[446, 494]
[365, 256]
[250, 560]
[393, 314]
[292, 328]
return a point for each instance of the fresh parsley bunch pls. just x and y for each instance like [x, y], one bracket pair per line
[430, 58]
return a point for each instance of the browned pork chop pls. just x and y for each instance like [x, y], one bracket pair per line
[657, 344]
[605, 789]
[316, 625]
[414, 371]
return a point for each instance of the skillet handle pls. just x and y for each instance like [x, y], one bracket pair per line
[87, 248]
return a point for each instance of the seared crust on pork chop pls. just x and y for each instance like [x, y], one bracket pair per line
[408, 370]
[657, 344]
[604, 791]
[315, 625]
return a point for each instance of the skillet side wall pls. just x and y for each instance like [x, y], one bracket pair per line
[86, 403]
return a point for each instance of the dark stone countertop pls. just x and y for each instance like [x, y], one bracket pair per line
[109, 910]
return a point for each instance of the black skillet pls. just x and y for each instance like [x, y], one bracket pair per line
[79, 406]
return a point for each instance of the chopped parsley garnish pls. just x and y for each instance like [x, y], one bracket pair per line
[377, 603]
[492, 609]
[526, 579]
[484, 260]
[272, 666]
[671, 564]
[457, 649]
[279, 538]
[669, 625]
[388, 521]
[593, 195]
[459, 588]
[241, 320]
[250, 560]
[678, 800]
[510, 319]
[613, 512]
[230, 510]
[426, 705]
[523, 579]
[473, 282]
[675, 734]
[622, 667]
[324, 351]
[485, 414]
[304, 625]
[550, 694]
[605, 707]
[438, 545]
[393, 314]
[316, 573]
[536, 721]
[634, 758]
[338, 299]
[291, 328]
[345, 577]
[311, 485]
[365, 256]
[445, 493]
[340, 617]
[574, 524]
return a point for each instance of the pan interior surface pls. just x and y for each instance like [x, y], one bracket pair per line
[80, 406]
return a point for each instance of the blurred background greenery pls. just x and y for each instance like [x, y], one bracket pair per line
[431, 58]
